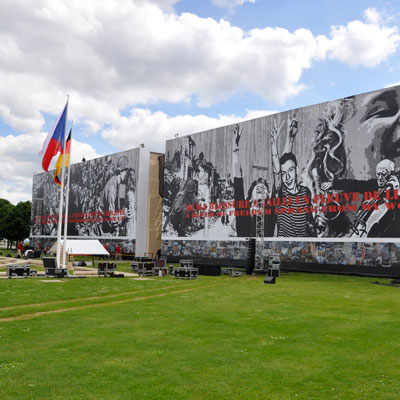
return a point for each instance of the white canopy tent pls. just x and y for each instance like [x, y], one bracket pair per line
[78, 247]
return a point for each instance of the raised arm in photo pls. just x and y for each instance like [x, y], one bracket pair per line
[276, 166]
[236, 168]
[292, 129]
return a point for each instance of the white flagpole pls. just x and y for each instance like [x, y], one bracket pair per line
[66, 203]
[61, 192]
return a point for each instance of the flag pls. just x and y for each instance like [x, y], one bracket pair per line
[55, 140]
[59, 162]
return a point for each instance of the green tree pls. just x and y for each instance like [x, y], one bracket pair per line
[6, 209]
[15, 221]
[19, 221]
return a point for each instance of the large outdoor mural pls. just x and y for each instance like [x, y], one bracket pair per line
[102, 200]
[325, 171]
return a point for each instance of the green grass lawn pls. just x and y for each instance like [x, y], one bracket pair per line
[307, 337]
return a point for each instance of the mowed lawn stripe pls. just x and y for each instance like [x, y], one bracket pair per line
[84, 298]
[26, 309]
[60, 310]
[76, 303]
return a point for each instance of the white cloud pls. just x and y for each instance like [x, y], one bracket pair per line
[372, 16]
[15, 192]
[82, 150]
[365, 44]
[131, 52]
[19, 160]
[153, 129]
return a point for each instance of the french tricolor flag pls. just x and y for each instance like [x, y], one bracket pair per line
[54, 142]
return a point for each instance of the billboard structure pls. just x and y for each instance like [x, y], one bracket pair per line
[108, 200]
[316, 177]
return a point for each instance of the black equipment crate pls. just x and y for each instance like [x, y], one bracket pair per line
[56, 272]
[186, 263]
[18, 271]
[106, 268]
[186, 273]
[146, 268]
[135, 266]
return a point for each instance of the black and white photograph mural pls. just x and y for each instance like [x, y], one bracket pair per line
[334, 253]
[102, 199]
[325, 171]
[373, 254]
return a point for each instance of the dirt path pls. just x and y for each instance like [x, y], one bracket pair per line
[61, 310]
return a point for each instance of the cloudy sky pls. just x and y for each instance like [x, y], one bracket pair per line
[140, 71]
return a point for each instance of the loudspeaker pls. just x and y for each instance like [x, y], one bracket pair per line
[251, 252]
[275, 272]
[269, 279]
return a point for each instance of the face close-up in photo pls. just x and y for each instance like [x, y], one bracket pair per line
[379, 129]
[288, 171]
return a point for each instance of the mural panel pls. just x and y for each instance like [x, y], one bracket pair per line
[324, 171]
[102, 199]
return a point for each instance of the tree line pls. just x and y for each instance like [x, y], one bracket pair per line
[15, 220]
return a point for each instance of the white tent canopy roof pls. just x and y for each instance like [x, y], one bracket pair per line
[77, 247]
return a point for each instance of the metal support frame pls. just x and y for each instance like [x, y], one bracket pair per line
[259, 265]
[259, 254]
